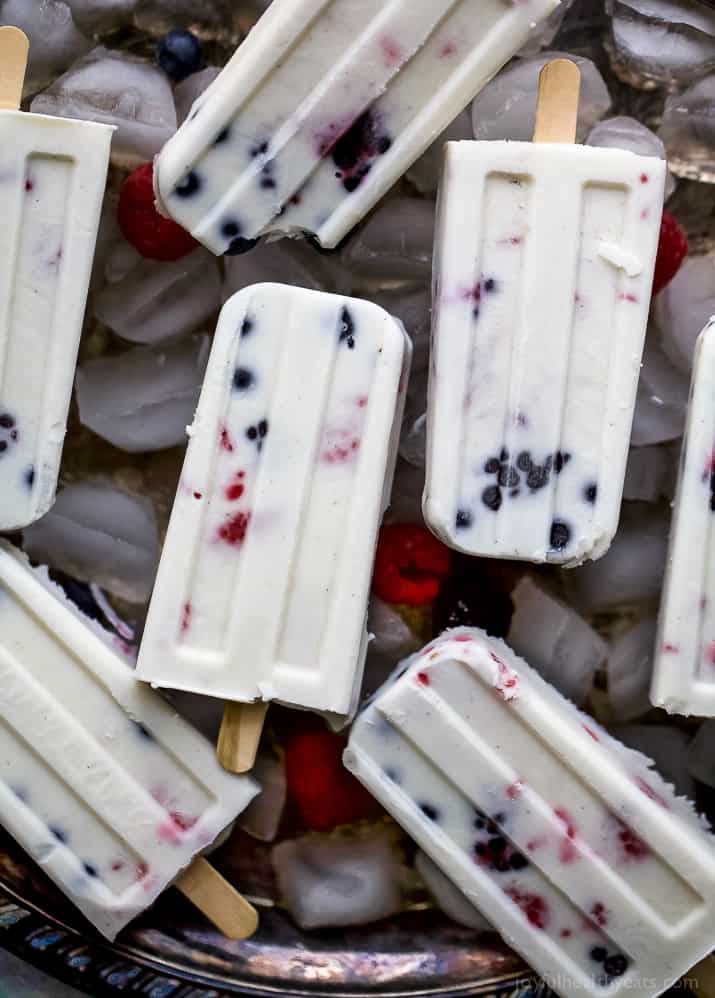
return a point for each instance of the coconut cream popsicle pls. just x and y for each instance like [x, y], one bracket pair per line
[543, 272]
[101, 782]
[684, 665]
[324, 106]
[52, 180]
[571, 845]
[264, 578]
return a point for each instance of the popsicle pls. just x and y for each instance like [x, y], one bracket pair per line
[684, 663]
[568, 842]
[52, 178]
[323, 108]
[101, 782]
[543, 269]
[264, 578]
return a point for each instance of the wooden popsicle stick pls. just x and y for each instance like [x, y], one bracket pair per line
[221, 903]
[240, 735]
[704, 975]
[557, 107]
[14, 49]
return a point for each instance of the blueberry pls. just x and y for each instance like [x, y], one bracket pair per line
[616, 966]
[500, 864]
[7, 421]
[480, 849]
[231, 228]
[239, 246]
[463, 519]
[247, 326]
[30, 476]
[429, 811]
[189, 186]
[90, 870]
[498, 844]
[263, 428]
[537, 478]
[351, 184]
[3, 446]
[490, 285]
[392, 774]
[524, 462]
[492, 466]
[475, 312]
[59, 833]
[598, 954]
[503, 455]
[508, 476]
[383, 145]
[560, 460]
[560, 535]
[268, 184]
[179, 54]
[492, 498]
[479, 822]
[347, 328]
[222, 136]
[252, 433]
[590, 492]
[243, 379]
[142, 731]
[518, 862]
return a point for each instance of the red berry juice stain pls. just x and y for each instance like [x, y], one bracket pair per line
[513, 791]
[423, 678]
[198, 495]
[234, 530]
[447, 50]
[236, 488]
[644, 178]
[634, 848]
[670, 648]
[591, 732]
[599, 914]
[568, 853]
[508, 682]
[627, 296]
[651, 794]
[534, 907]
[225, 440]
[186, 617]
[391, 52]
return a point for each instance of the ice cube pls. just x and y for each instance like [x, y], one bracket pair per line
[629, 670]
[661, 42]
[262, 817]
[98, 533]
[688, 131]
[683, 307]
[328, 882]
[506, 107]
[662, 397]
[701, 758]
[651, 472]
[629, 133]
[95, 17]
[118, 90]
[395, 244]
[668, 748]
[412, 305]
[425, 172]
[144, 399]
[286, 261]
[215, 19]
[544, 33]
[55, 41]
[413, 441]
[191, 88]
[555, 640]
[157, 301]
[448, 897]
[632, 569]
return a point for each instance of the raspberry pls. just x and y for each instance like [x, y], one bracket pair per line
[672, 250]
[155, 237]
[410, 565]
[324, 792]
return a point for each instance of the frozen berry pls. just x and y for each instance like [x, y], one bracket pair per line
[560, 535]
[155, 237]
[672, 250]
[492, 497]
[243, 379]
[616, 965]
[318, 784]
[410, 565]
[179, 54]
[464, 519]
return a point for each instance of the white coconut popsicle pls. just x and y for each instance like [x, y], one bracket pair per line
[101, 781]
[543, 271]
[323, 108]
[263, 583]
[568, 842]
[52, 179]
[684, 666]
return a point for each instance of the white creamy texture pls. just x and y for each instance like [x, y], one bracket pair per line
[52, 179]
[684, 669]
[571, 845]
[323, 108]
[264, 579]
[101, 781]
[543, 271]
